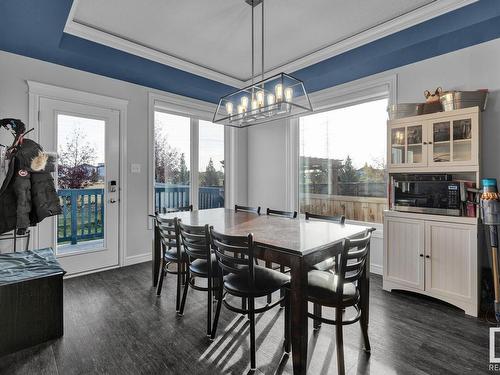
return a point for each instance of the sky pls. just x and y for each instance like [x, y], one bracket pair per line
[177, 130]
[358, 131]
[92, 129]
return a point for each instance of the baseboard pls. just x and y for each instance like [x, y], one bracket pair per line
[135, 259]
[376, 269]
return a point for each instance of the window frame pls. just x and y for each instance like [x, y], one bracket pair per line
[345, 95]
[195, 110]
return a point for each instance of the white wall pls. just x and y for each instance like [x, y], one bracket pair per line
[468, 69]
[15, 70]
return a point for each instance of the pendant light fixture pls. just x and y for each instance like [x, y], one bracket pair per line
[276, 97]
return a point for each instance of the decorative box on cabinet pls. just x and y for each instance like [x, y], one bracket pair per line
[432, 255]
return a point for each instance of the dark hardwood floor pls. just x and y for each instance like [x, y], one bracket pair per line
[115, 324]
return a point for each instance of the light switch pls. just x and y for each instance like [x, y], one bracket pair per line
[135, 168]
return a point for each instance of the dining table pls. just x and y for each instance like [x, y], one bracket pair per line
[295, 243]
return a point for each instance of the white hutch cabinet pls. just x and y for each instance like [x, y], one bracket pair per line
[434, 255]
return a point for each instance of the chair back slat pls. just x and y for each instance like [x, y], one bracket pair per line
[195, 241]
[353, 260]
[168, 228]
[255, 210]
[178, 209]
[288, 214]
[234, 254]
[334, 219]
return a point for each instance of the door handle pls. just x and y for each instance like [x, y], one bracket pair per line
[112, 200]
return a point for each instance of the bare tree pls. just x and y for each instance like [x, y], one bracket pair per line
[76, 162]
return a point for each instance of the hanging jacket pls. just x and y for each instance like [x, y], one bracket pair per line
[28, 194]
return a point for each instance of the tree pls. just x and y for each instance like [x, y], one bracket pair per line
[348, 173]
[75, 169]
[183, 171]
[211, 175]
[167, 161]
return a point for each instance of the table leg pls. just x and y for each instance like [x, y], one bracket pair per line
[298, 294]
[156, 255]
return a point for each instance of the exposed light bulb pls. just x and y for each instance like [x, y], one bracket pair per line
[241, 109]
[255, 104]
[278, 91]
[229, 108]
[288, 94]
[244, 101]
[260, 98]
[271, 99]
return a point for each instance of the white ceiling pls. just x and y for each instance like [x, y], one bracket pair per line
[213, 36]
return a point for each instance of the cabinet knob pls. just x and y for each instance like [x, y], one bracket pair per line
[427, 256]
[421, 255]
[425, 143]
[430, 143]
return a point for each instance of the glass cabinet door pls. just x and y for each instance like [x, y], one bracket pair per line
[462, 140]
[414, 146]
[441, 136]
[398, 136]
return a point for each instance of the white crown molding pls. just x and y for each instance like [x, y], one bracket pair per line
[422, 14]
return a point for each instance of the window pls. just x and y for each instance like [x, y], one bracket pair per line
[174, 168]
[211, 165]
[343, 160]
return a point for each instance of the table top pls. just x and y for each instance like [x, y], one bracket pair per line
[298, 236]
[28, 265]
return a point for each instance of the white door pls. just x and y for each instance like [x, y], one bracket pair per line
[404, 252]
[451, 261]
[86, 139]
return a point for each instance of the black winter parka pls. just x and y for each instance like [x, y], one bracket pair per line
[28, 194]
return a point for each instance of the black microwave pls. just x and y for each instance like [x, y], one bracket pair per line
[426, 193]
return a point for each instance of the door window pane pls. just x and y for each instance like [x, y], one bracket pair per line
[211, 165]
[171, 161]
[343, 161]
[81, 180]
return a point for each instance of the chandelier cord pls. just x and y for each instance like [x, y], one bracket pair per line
[262, 43]
[253, 42]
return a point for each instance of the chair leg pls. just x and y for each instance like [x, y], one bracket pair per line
[251, 314]
[161, 275]
[340, 342]
[209, 306]
[217, 310]
[318, 313]
[184, 295]
[287, 321]
[178, 290]
[269, 296]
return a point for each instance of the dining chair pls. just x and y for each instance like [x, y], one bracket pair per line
[328, 264]
[346, 288]
[172, 252]
[283, 214]
[178, 209]
[202, 263]
[288, 214]
[242, 278]
[255, 210]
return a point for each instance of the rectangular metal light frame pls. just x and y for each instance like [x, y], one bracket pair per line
[268, 112]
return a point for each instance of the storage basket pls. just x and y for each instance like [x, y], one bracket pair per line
[452, 100]
[403, 110]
